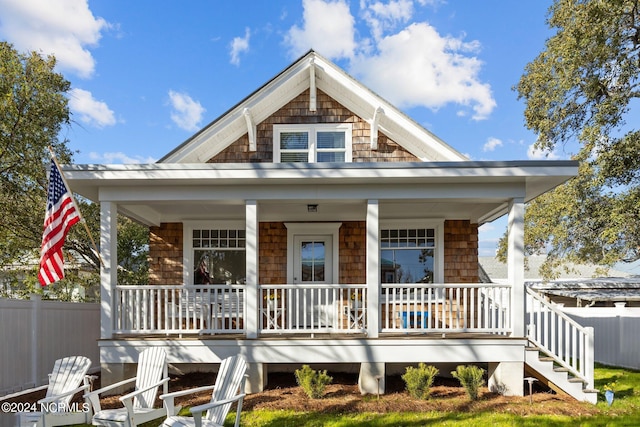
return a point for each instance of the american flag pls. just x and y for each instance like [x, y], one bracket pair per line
[61, 215]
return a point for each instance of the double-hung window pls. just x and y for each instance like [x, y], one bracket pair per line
[312, 143]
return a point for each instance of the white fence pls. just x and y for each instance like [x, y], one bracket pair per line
[34, 333]
[617, 333]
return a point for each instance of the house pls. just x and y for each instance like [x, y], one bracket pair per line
[577, 285]
[315, 223]
[597, 292]
[497, 270]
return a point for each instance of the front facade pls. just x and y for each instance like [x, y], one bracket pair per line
[314, 223]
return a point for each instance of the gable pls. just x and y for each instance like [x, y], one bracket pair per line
[299, 93]
[328, 111]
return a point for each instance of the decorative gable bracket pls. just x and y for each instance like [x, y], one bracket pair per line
[312, 85]
[374, 127]
[251, 129]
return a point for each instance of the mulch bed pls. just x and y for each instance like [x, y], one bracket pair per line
[343, 396]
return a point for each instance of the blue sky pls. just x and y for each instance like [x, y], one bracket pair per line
[147, 74]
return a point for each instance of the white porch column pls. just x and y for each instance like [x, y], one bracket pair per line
[251, 290]
[515, 265]
[373, 269]
[109, 270]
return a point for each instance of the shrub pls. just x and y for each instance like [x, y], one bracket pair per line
[312, 382]
[419, 380]
[471, 377]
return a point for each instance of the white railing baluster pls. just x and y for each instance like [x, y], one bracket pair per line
[570, 345]
[301, 308]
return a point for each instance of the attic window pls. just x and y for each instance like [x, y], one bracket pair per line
[312, 143]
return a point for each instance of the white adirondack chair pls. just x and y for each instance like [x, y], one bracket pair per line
[139, 404]
[228, 388]
[69, 377]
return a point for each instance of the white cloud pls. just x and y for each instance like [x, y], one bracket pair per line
[382, 17]
[419, 67]
[239, 45]
[90, 110]
[486, 227]
[119, 158]
[186, 113]
[64, 28]
[535, 154]
[491, 144]
[328, 28]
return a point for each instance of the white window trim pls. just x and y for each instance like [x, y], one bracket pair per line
[438, 226]
[312, 129]
[187, 242]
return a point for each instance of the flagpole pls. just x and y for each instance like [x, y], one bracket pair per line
[73, 200]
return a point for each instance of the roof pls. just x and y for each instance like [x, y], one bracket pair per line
[484, 188]
[312, 69]
[497, 270]
[600, 289]
[444, 183]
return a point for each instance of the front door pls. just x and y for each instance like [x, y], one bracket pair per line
[313, 265]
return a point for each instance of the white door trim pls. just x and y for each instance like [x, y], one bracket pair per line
[313, 229]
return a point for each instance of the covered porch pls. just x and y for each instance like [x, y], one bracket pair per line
[355, 300]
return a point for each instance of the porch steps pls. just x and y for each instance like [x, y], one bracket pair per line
[557, 378]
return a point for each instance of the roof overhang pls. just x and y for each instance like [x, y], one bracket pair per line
[145, 189]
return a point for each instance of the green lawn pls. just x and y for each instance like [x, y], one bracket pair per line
[625, 411]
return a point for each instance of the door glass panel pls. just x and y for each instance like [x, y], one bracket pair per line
[313, 261]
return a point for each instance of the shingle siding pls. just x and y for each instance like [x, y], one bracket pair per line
[297, 112]
[460, 253]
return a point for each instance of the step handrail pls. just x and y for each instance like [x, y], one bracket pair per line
[560, 337]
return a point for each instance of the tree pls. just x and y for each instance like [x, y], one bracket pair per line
[33, 111]
[580, 92]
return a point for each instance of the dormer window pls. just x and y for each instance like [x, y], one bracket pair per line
[312, 143]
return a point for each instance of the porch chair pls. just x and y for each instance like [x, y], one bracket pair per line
[69, 377]
[228, 388]
[139, 404]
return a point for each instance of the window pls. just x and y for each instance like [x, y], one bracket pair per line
[317, 143]
[219, 255]
[407, 255]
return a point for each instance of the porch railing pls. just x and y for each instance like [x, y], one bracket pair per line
[313, 308]
[205, 309]
[560, 337]
[297, 308]
[442, 308]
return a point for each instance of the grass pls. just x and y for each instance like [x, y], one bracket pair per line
[625, 411]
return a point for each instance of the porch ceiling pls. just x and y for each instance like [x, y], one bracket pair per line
[285, 210]
[478, 191]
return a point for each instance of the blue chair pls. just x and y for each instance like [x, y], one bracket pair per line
[410, 318]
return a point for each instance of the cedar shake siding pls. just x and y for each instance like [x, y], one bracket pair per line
[460, 253]
[328, 111]
[353, 256]
[272, 247]
[165, 254]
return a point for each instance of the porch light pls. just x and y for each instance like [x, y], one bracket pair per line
[312, 208]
